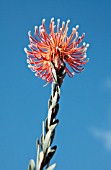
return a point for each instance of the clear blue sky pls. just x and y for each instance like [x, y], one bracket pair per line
[84, 133]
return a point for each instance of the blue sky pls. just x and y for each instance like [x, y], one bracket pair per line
[83, 135]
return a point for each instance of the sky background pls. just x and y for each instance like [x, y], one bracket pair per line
[83, 135]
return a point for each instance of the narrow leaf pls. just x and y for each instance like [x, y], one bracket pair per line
[31, 165]
[51, 167]
[47, 141]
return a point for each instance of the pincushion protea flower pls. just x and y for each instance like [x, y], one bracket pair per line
[56, 48]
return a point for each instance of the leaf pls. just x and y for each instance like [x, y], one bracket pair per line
[38, 152]
[54, 72]
[49, 102]
[52, 136]
[47, 141]
[51, 167]
[55, 110]
[31, 165]
[41, 156]
[49, 115]
[46, 125]
[54, 99]
[52, 127]
[58, 92]
[50, 154]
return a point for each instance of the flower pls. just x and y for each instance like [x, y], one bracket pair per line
[56, 48]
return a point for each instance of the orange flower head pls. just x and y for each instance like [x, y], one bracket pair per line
[56, 48]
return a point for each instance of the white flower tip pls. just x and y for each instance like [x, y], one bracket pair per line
[84, 43]
[58, 20]
[63, 23]
[77, 26]
[87, 45]
[29, 46]
[68, 21]
[72, 74]
[29, 33]
[36, 27]
[25, 49]
[41, 29]
[83, 34]
[43, 21]
[85, 55]
[27, 60]
[29, 66]
[73, 29]
[52, 19]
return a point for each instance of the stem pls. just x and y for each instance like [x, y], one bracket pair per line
[44, 150]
